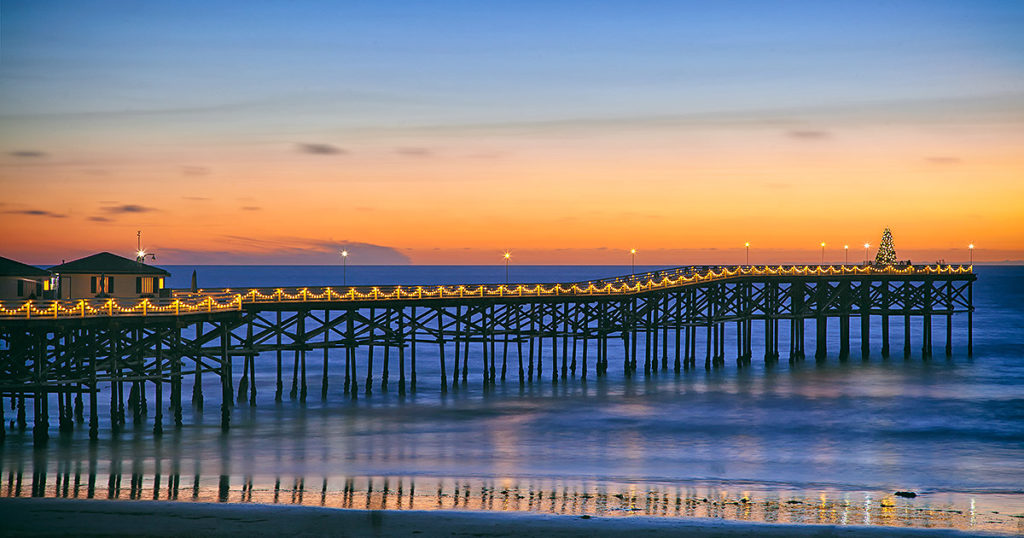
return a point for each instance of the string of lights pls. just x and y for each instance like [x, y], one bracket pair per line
[221, 300]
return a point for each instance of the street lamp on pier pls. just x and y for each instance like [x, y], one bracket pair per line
[507, 255]
[866, 246]
[971, 248]
[846, 253]
[823, 253]
[632, 264]
[344, 268]
[747, 245]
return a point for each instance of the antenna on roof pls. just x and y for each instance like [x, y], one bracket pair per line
[140, 254]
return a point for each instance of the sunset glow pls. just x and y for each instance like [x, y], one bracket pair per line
[449, 132]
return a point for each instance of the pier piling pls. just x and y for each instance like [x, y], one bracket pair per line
[69, 356]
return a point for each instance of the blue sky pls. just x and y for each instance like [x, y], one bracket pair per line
[240, 107]
[450, 62]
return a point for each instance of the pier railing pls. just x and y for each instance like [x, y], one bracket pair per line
[184, 302]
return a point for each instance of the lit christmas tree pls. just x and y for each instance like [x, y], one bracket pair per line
[886, 253]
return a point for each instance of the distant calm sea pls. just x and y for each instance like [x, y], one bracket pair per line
[844, 435]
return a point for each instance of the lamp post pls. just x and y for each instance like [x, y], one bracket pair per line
[747, 245]
[344, 267]
[822, 253]
[846, 253]
[971, 249]
[866, 245]
[507, 256]
[632, 265]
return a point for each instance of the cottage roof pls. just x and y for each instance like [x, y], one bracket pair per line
[9, 267]
[109, 264]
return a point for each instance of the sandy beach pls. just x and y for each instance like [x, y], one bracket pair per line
[63, 517]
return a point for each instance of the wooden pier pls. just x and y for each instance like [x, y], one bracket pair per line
[64, 353]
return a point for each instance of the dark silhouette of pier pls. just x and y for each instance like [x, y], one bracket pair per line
[64, 352]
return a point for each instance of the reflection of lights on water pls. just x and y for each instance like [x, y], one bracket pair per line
[499, 494]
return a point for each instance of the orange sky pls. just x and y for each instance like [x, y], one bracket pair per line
[405, 144]
[678, 195]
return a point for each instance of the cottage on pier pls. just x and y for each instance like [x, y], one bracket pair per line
[108, 275]
[19, 281]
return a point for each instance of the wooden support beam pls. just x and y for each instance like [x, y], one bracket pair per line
[350, 352]
[384, 374]
[158, 419]
[176, 357]
[327, 345]
[40, 420]
[970, 319]
[885, 306]
[225, 378]
[371, 328]
[865, 319]
[301, 335]
[197, 383]
[926, 336]
[94, 419]
[278, 329]
[401, 353]
[440, 344]
[457, 339]
[412, 351]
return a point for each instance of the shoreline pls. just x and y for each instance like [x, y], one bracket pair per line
[82, 517]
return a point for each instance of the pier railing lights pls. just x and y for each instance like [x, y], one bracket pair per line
[184, 302]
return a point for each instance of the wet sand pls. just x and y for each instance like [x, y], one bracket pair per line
[66, 517]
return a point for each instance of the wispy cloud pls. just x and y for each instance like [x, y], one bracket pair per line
[194, 171]
[999, 107]
[943, 160]
[28, 154]
[99, 219]
[194, 198]
[36, 213]
[321, 149]
[414, 152]
[251, 208]
[808, 134]
[128, 208]
[290, 250]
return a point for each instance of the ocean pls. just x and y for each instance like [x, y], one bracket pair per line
[805, 442]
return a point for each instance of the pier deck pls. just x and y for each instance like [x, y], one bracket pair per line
[65, 351]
